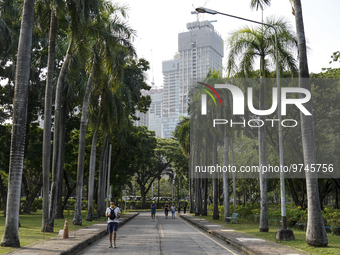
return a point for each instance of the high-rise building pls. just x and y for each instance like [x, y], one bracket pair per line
[156, 112]
[153, 118]
[201, 50]
[170, 69]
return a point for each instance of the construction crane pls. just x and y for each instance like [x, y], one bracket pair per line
[197, 13]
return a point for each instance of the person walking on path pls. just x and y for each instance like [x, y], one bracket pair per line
[166, 209]
[153, 207]
[173, 211]
[179, 207]
[112, 214]
[184, 207]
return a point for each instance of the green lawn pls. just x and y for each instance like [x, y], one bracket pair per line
[30, 230]
[300, 236]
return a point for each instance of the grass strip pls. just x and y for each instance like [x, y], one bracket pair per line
[30, 230]
[252, 228]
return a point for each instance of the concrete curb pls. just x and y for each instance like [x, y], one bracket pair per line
[94, 238]
[237, 245]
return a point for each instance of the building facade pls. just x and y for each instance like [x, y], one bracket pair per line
[200, 50]
[171, 86]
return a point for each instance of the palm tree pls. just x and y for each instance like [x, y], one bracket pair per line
[11, 237]
[92, 168]
[108, 114]
[46, 157]
[108, 36]
[250, 44]
[80, 12]
[182, 134]
[316, 233]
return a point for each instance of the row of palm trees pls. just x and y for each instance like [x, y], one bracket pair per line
[245, 47]
[99, 48]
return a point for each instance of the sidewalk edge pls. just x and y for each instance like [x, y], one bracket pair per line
[232, 243]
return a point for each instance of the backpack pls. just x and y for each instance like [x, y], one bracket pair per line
[113, 215]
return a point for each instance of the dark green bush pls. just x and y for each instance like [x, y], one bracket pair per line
[138, 204]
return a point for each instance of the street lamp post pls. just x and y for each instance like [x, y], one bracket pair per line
[285, 234]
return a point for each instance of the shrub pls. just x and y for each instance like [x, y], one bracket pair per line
[138, 204]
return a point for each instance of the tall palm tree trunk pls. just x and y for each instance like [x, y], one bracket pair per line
[101, 180]
[92, 170]
[216, 214]
[197, 183]
[56, 139]
[191, 181]
[105, 185]
[315, 233]
[225, 175]
[205, 205]
[11, 236]
[206, 183]
[77, 220]
[264, 227]
[60, 207]
[46, 159]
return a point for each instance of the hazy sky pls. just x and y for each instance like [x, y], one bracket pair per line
[158, 23]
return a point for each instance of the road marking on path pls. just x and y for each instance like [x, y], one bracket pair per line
[250, 239]
[209, 238]
[160, 226]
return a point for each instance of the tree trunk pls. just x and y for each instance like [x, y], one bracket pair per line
[234, 174]
[315, 233]
[191, 182]
[336, 206]
[216, 214]
[31, 190]
[46, 155]
[92, 169]
[104, 185]
[205, 206]
[200, 205]
[264, 226]
[77, 220]
[3, 195]
[101, 183]
[294, 194]
[60, 206]
[159, 178]
[56, 139]
[11, 237]
[178, 195]
[91, 175]
[206, 189]
[225, 175]
[142, 194]
[28, 205]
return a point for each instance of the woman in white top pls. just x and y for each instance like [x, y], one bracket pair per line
[173, 210]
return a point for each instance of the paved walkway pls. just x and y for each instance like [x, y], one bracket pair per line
[82, 238]
[77, 240]
[242, 241]
[141, 236]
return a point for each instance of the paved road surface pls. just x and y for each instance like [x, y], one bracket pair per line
[164, 236]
